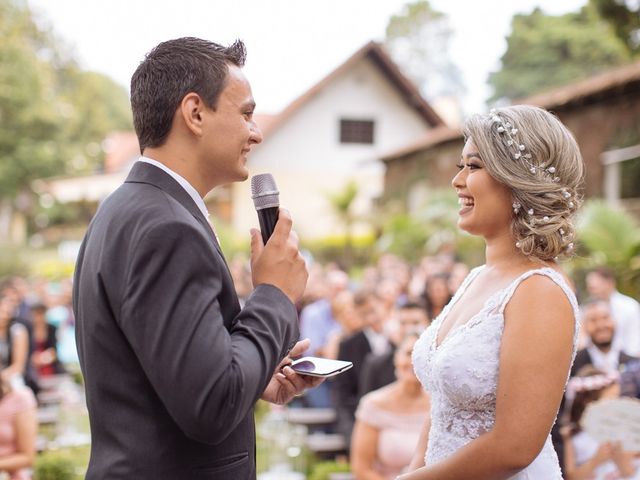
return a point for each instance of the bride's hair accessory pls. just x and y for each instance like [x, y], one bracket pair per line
[591, 383]
[518, 150]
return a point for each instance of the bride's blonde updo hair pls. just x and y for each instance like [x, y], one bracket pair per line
[530, 151]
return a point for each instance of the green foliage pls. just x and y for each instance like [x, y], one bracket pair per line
[624, 18]
[323, 470]
[403, 236]
[53, 115]
[427, 230]
[231, 242]
[342, 202]
[332, 248]
[53, 467]
[418, 40]
[545, 51]
[12, 262]
[609, 236]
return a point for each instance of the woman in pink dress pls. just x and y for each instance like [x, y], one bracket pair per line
[388, 422]
[18, 427]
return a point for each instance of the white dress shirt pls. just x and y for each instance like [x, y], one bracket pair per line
[626, 312]
[607, 362]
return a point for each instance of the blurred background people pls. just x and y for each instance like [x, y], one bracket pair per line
[14, 344]
[388, 421]
[18, 428]
[378, 370]
[436, 294]
[601, 284]
[343, 310]
[318, 324]
[600, 328]
[584, 456]
[45, 351]
[370, 339]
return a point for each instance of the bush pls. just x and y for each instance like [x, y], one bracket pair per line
[323, 470]
[12, 262]
[54, 468]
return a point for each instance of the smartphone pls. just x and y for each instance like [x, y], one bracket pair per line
[320, 367]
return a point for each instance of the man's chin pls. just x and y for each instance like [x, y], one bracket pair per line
[603, 345]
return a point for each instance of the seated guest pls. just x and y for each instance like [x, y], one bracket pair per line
[601, 352]
[601, 284]
[370, 338]
[14, 345]
[584, 456]
[436, 294]
[18, 428]
[388, 422]
[378, 369]
[318, 325]
[45, 355]
[344, 311]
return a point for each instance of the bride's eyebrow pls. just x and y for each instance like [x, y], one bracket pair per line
[471, 155]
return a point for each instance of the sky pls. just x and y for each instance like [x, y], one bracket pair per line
[291, 44]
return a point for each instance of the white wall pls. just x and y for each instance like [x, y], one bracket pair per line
[307, 159]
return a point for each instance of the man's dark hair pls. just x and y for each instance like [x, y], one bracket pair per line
[605, 272]
[412, 306]
[169, 72]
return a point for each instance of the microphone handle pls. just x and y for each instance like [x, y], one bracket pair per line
[267, 218]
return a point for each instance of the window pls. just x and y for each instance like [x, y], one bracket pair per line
[630, 178]
[356, 131]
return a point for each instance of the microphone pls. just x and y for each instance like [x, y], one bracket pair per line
[266, 199]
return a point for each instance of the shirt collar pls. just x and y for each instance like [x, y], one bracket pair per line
[183, 183]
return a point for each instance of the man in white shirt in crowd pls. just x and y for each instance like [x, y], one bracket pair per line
[601, 351]
[601, 284]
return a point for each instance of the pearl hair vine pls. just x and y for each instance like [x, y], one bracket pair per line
[518, 151]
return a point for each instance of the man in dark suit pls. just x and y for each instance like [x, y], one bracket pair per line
[600, 352]
[355, 348]
[379, 370]
[172, 365]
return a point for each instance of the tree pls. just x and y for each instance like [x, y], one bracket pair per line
[609, 236]
[418, 40]
[53, 115]
[342, 201]
[624, 18]
[545, 51]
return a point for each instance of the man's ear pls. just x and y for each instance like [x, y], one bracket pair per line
[191, 110]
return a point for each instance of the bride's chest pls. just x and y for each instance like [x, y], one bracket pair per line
[465, 365]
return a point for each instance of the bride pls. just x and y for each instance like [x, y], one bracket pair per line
[496, 360]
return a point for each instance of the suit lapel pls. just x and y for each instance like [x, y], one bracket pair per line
[142, 172]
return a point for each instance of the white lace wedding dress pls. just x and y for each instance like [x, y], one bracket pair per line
[461, 375]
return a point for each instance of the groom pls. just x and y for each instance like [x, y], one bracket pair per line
[172, 365]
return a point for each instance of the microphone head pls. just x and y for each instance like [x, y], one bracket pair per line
[264, 191]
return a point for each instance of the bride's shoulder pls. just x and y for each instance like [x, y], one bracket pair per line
[542, 290]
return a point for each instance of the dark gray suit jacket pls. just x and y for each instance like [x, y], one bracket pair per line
[172, 365]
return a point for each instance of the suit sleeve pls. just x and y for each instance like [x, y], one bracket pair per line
[208, 377]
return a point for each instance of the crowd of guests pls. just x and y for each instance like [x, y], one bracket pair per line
[32, 317]
[381, 406]
[373, 322]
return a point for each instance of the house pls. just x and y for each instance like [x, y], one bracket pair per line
[334, 133]
[602, 111]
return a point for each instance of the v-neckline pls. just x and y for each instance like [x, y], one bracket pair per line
[445, 313]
